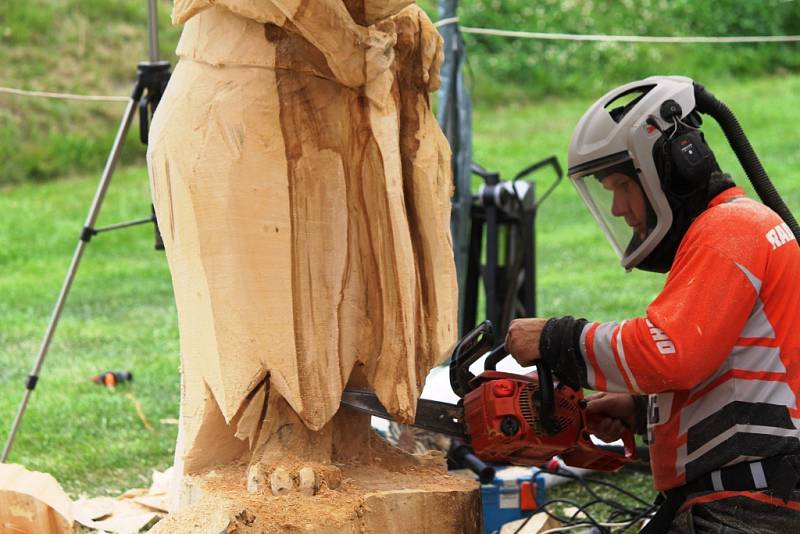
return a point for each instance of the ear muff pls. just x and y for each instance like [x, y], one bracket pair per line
[692, 161]
[683, 159]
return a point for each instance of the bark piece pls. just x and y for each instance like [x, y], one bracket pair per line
[256, 479]
[252, 415]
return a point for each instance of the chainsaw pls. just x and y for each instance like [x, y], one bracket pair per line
[507, 418]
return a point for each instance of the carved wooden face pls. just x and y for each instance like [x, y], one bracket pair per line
[368, 12]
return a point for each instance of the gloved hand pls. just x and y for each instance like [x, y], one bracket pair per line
[608, 415]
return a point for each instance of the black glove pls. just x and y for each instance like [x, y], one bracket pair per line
[559, 347]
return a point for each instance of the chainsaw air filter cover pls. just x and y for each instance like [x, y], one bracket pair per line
[567, 416]
[507, 426]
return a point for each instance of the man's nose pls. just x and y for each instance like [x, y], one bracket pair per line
[619, 206]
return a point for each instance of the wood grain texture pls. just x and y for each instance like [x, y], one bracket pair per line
[302, 187]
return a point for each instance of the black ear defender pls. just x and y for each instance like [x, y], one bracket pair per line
[691, 159]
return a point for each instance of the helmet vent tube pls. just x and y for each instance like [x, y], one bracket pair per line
[709, 104]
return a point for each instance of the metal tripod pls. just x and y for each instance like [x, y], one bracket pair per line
[151, 80]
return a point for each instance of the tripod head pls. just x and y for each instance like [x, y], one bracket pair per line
[153, 76]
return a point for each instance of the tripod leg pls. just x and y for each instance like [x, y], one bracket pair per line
[469, 312]
[86, 235]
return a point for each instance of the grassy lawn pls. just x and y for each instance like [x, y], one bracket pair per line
[121, 315]
[73, 46]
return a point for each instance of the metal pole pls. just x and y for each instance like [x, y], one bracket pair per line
[152, 23]
[455, 119]
[86, 235]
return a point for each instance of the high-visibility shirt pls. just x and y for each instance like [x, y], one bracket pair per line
[719, 348]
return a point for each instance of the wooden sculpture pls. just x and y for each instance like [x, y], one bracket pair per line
[302, 188]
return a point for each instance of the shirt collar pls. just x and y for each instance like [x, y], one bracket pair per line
[727, 195]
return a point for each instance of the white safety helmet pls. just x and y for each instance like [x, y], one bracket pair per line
[612, 161]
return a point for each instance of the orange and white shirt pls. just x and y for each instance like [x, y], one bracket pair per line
[718, 350]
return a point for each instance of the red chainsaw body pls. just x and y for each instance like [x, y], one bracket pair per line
[504, 424]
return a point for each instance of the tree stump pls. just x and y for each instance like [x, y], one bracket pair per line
[302, 187]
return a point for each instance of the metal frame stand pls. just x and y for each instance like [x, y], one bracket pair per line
[507, 212]
[151, 81]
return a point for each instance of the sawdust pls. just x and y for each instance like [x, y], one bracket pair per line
[225, 506]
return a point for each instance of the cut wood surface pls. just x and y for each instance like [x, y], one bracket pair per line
[371, 499]
[302, 187]
[32, 502]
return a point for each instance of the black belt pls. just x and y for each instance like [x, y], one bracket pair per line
[780, 474]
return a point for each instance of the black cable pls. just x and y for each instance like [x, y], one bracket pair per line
[619, 513]
[566, 473]
[610, 503]
[650, 510]
[579, 509]
[634, 514]
[584, 483]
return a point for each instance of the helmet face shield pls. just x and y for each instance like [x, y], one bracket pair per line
[613, 164]
[614, 194]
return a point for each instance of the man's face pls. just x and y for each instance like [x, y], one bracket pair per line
[629, 202]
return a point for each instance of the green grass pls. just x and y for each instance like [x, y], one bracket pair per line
[530, 68]
[93, 47]
[121, 315]
[73, 46]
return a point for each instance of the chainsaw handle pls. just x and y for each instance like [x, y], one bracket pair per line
[466, 352]
[463, 456]
[494, 357]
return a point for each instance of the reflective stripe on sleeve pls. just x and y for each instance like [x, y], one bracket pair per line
[595, 375]
[623, 363]
[603, 345]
